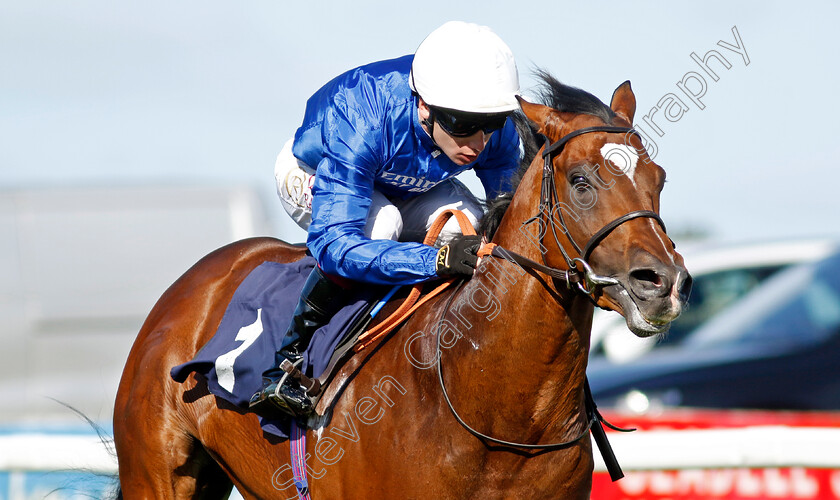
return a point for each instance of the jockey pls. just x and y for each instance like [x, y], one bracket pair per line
[374, 163]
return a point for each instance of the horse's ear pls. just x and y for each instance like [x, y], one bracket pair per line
[546, 119]
[624, 102]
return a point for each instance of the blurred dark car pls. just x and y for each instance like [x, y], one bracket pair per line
[778, 348]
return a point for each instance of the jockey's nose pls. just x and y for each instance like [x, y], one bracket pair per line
[478, 141]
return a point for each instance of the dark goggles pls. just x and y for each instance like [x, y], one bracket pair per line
[462, 124]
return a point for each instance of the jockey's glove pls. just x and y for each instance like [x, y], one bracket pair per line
[459, 256]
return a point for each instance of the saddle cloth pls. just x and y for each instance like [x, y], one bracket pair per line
[252, 329]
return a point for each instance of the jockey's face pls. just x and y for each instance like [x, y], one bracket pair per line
[461, 150]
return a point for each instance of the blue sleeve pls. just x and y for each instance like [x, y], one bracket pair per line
[503, 156]
[341, 199]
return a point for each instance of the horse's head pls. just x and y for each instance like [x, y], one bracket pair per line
[596, 196]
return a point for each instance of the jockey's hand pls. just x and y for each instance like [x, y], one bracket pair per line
[459, 256]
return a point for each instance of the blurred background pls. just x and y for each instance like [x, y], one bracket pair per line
[135, 137]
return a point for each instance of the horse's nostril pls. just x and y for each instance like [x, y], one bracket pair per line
[685, 288]
[647, 277]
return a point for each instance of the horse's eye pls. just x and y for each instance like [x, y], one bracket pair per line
[579, 181]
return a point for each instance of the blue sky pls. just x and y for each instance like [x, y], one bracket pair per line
[113, 92]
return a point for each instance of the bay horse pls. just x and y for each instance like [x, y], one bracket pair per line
[511, 345]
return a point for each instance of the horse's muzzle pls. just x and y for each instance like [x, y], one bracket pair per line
[653, 295]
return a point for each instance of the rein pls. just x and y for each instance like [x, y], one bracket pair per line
[481, 435]
[594, 420]
[585, 281]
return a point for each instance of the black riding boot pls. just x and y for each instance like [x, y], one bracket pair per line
[319, 300]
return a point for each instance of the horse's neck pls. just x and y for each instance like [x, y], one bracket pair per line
[539, 335]
[542, 333]
[525, 346]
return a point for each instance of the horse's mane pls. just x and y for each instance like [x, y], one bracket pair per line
[554, 94]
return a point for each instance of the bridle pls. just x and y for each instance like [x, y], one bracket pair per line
[585, 280]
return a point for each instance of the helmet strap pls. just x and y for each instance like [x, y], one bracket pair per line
[430, 122]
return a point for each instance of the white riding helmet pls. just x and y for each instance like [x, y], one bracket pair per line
[466, 67]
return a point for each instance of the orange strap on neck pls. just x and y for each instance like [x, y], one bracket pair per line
[411, 303]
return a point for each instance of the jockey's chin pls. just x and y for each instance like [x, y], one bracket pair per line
[461, 150]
